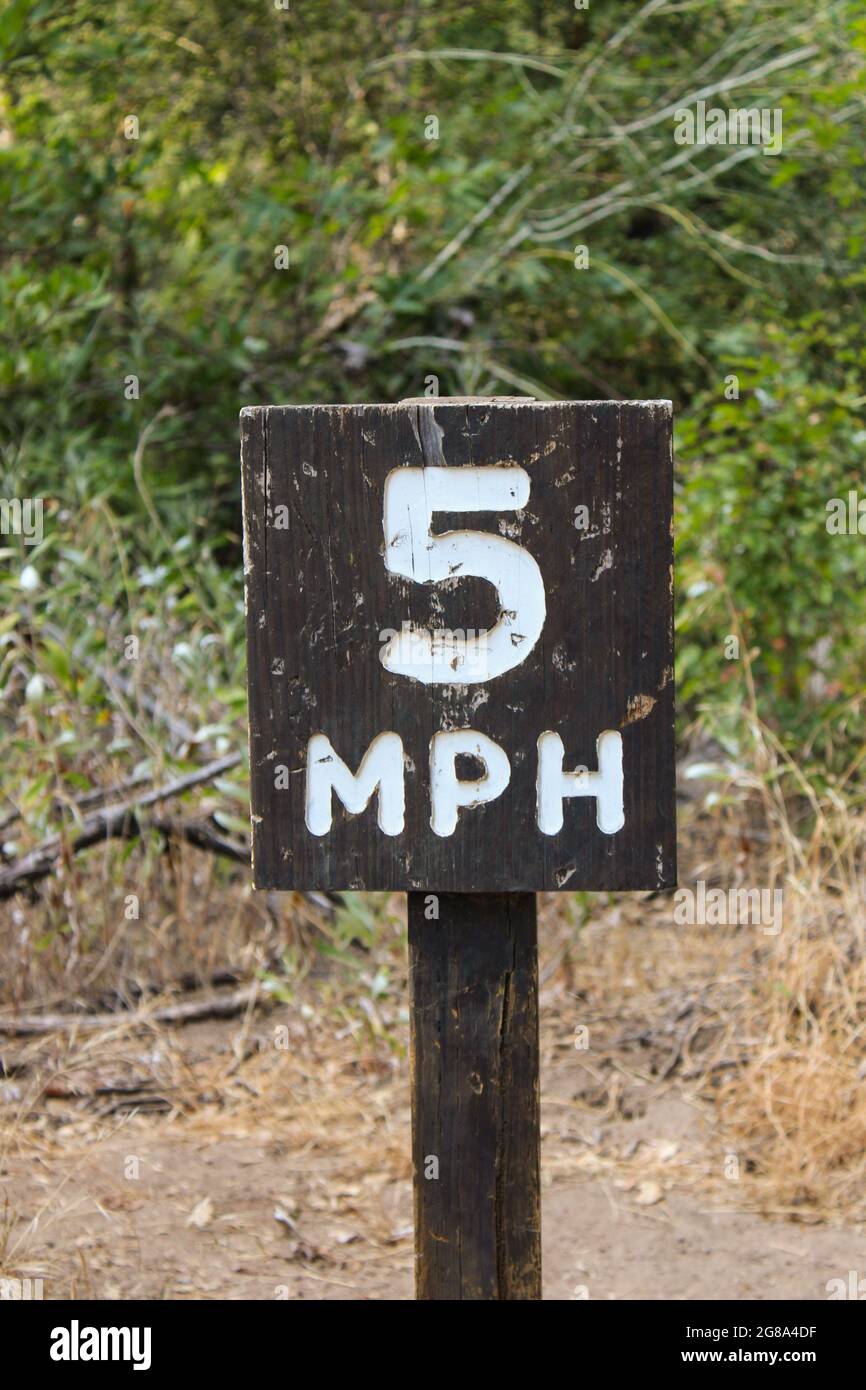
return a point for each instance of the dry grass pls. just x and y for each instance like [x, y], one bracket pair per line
[765, 1033]
[796, 1109]
[792, 1107]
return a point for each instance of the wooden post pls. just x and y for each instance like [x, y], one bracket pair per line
[473, 992]
[460, 641]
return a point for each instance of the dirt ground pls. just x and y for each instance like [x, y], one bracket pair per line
[267, 1156]
[210, 1219]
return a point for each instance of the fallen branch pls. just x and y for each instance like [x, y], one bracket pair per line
[215, 1006]
[133, 996]
[201, 835]
[122, 821]
[86, 799]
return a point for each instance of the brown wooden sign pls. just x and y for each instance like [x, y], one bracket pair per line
[460, 630]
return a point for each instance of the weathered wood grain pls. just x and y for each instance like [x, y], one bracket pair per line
[319, 597]
[475, 1104]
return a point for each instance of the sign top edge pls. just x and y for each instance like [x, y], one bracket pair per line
[444, 403]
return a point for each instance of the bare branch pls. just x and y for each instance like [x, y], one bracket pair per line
[110, 823]
[214, 1006]
[472, 55]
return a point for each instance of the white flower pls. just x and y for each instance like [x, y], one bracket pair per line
[35, 690]
[29, 580]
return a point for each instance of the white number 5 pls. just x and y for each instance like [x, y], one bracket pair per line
[440, 657]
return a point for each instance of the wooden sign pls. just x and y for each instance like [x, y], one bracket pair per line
[460, 631]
